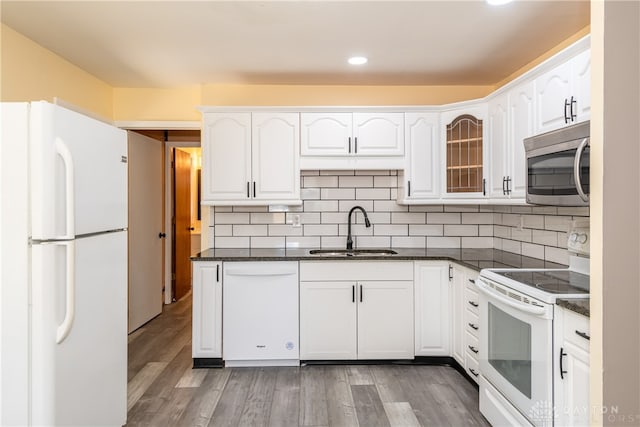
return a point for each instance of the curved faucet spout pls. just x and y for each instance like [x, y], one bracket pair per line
[367, 223]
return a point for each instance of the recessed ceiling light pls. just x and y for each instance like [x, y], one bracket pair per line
[357, 60]
[498, 2]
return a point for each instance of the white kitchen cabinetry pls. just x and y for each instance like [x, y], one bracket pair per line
[432, 308]
[418, 181]
[352, 140]
[510, 121]
[207, 309]
[356, 310]
[463, 136]
[465, 324]
[250, 159]
[563, 94]
[572, 368]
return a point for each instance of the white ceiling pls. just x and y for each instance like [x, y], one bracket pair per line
[177, 43]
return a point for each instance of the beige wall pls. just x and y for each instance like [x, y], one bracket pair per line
[149, 104]
[30, 72]
[615, 300]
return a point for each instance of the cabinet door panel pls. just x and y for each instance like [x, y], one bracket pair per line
[458, 310]
[498, 138]
[385, 320]
[521, 127]
[582, 86]
[207, 310]
[553, 89]
[327, 321]
[378, 134]
[432, 326]
[421, 131]
[226, 156]
[325, 134]
[575, 406]
[275, 156]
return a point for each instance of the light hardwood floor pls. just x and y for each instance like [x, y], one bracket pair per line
[165, 391]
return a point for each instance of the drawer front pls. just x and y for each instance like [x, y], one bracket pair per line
[471, 300]
[472, 323]
[471, 345]
[576, 329]
[472, 367]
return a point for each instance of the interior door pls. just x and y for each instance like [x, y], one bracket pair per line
[182, 223]
[145, 226]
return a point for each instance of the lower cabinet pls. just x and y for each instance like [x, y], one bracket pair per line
[572, 368]
[207, 309]
[432, 308]
[465, 315]
[356, 310]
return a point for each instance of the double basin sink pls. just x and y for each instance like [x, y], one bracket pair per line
[352, 252]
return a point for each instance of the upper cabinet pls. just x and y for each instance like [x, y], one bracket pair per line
[510, 121]
[251, 158]
[562, 94]
[419, 180]
[463, 136]
[352, 140]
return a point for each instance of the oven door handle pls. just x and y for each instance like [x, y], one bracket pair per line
[576, 169]
[508, 301]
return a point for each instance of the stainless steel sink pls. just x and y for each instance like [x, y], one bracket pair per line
[352, 252]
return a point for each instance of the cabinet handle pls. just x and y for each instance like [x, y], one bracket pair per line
[353, 293]
[254, 189]
[566, 116]
[474, 327]
[562, 371]
[473, 282]
[349, 145]
[508, 185]
[355, 144]
[484, 187]
[583, 335]
[450, 272]
[472, 348]
[475, 374]
[248, 194]
[504, 190]
[475, 304]
[360, 293]
[573, 102]
[218, 273]
[409, 188]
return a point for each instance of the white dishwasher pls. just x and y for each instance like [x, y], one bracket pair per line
[260, 314]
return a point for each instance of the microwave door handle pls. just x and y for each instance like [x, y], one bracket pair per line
[576, 169]
[508, 301]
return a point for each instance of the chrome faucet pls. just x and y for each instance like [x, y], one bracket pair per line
[366, 223]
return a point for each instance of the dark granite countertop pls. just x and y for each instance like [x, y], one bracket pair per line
[578, 305]
[476, 259]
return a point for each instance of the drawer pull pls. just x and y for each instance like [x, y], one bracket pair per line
[562, 371]
[583, 335]
[473, 282]
[475, 327]
[472, 348]
[475, 374]
[473, 303]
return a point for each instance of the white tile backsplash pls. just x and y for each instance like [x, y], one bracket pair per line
[535, 231]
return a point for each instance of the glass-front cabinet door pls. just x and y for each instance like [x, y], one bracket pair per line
[464, 154]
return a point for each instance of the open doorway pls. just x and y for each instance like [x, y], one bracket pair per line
[182, 210]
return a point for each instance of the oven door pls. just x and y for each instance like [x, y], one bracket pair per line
[559, 174]
[516, 349]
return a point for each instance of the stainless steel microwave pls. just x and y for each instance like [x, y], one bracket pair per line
[558, 167]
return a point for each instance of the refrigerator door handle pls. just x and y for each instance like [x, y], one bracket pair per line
[65, 327]
[63, 151]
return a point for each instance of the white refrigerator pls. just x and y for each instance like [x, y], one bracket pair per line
[63, 348]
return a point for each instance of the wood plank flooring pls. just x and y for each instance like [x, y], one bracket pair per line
[165, 391]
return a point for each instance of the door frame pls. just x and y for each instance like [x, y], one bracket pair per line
[168, 208]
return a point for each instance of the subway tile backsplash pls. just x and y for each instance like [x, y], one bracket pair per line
[535, 231]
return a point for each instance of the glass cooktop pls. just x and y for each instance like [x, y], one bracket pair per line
[554, 282]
